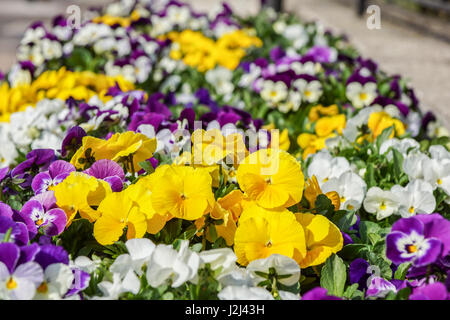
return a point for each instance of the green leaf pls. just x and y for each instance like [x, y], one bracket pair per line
[403, 294]
[398, 164]
[402, 270]
[384, 136]
[147, 166]
[333, 276]
[366, 227]
[349, 292]
[351, 251]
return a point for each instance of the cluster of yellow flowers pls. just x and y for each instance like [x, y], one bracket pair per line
[254, 218]
[327, 120]
[328, 123]
[60, 84]
[115, 20]
[203, 53]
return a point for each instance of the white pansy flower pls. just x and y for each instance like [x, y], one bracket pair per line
[274, 92]
[139, 253]
[293, 102]
[413, 165]
[350, 187]
[325, 167]
[380, 202]
[220, 78]
[113, 290]
[404, 146]
[168, 264]
[361, 95]
[310, 91]
[22, 283]
[283, 265]
[58, 278]
[416, 198]
[223, 258]
[437, 173]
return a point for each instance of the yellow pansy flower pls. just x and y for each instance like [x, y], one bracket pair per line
[120, 146]
[310, 143]
[141, 194]
[379, 121]
[118, 211]
[323, 238]
[261, 233]
[272, 178]
[319, 111]
[78, 193]
[228, 209]
[184, 192]
[325, 126]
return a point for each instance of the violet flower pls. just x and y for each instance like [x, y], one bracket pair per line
[108, 171]
[420, 240]
[49, 218]
[57, 172]
[73, 140]
[19, 232]
[433, 291]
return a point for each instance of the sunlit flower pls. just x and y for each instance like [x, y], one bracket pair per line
[272, 179]
[323, 238]
[261, 233]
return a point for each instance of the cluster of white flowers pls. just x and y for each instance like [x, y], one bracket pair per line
[163, 265]
[37, 127]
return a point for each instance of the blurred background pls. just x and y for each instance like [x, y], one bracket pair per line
[414, 39]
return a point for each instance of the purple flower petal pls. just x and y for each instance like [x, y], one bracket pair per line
[438, 227]
[431, 254]
[392, 251]
[57, 221]
[3, 173]
[41, 182]
[9, 255]
[51, 254]
[34, 211]
[47, 199]
[434, 291]
[80, 282]
[104, 168]
[27, 253]
[59, 167]
[318, 293]
[73, 140]
[115, 182]
[5, 210]
[407, 225]
[358, 272]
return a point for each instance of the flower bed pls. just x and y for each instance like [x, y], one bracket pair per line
[160, 153]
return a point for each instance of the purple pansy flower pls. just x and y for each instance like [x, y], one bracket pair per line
[379, 287]
[412, 240]
[51, 220]
[57, 172]
[19, 231]
[318, 293]
[73, 140]
[358, 272]
[108, 171]
[433, 291]
[17, 281]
